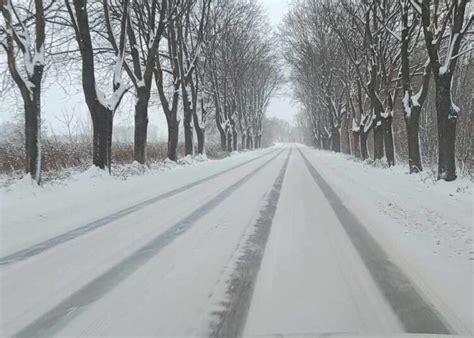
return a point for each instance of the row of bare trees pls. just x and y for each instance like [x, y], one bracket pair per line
[241, 73]
[202, 60]
[353, 64]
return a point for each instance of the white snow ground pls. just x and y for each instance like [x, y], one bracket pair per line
[426, 226]
[30, 214]
[311, 280]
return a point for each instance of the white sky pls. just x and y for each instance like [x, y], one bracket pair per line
[280, 106]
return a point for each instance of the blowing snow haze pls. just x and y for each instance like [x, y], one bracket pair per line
[236, 168]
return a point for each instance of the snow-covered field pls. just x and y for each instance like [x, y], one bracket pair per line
[30, 214]
[193, 261]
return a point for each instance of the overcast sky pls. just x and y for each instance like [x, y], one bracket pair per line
[280, 106]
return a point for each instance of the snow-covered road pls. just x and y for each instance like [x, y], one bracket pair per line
[266, 246]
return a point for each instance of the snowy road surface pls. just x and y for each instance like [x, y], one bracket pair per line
[265, 248]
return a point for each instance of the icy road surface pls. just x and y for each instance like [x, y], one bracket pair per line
[268, 247]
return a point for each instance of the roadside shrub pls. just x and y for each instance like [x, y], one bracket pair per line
[58, 156]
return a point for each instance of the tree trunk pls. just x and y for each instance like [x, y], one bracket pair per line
[141, 125]
[101, 145]
[32, 137]
[234, 139]
[32, 103]
[173, 130]
[364, 153]
[249, 139]
[200, 134]
[335, 140]
[101, 115]
[223, 140]
[447, 115]
[325, 142]
[244, 141]
[378, 140]
[412, 125]
[388, 140]
[355, 149]
[222, 132]
[188, 128]
[29, 84]
[345, 138]
[201, 137]
[318, 141]
[109, 142]
[229, 141]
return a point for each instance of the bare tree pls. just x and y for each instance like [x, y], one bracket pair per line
[29, 80]
[168, 80]
[190, 32]
[145, 27]
[243, 74]
[439, 19]
[412, 103]
[101, 108]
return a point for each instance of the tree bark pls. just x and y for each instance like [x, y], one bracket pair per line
[229, 141]
[335, 140]
[249, 143]
[388, 140]
[235, 140]
[413, 125]
[447, 116]
[325, 142]
[141, 124]
[363, 146]
[222, 132]
[102, 132]
[345, 138]
[223, 140]
[173, 131]
[33, 131]
[378, 141]
[188, 117]
[355, 149]
[201, 138]
[200, 133]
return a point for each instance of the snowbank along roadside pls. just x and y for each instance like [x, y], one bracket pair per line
[31, 214]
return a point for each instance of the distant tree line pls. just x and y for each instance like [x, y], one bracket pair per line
[357, 66]
[205, 60]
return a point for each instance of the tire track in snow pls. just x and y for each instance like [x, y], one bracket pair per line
[415, 313]
[52, 321]
[38, 248]
[231, 320]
